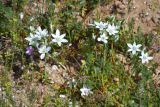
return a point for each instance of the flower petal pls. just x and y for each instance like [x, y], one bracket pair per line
[48, 49]
[59, 43]
[42, 56]
[99, 39]
[53, 35]
[54, 40]
[150, 58]
[63, 35]
[139, 45]
[57, 32]
[129, 45]
[64, 40]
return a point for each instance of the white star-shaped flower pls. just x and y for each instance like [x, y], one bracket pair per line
[85, 91]
[112, 29]
[134, 48]
[41, 33]
[58, 38]
[32, 39]
[100, 25]
[144, 57]
[43, 50]
[103, 38]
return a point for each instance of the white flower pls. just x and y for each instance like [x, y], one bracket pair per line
[103, 38]
[112, 29]
[85, 91]
[33, 39]
[134, 48]
[43, 50]
[21, 15]
[144, 57]
[58, 38]
[100, 25]
[41, 33]
[62, 96]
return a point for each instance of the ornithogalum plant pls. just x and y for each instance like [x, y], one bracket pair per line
[39, 38]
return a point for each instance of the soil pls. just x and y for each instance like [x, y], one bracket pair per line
[146, 13]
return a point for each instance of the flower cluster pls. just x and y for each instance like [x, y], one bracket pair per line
[106, 29]
[39, 38]
[135, 48]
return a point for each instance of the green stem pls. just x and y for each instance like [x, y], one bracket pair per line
[113, 58]
[104, 57]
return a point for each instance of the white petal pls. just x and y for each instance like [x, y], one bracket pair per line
[28, 38]
[133, 52]
[96, 23]
[99, 39]
[105, 41]
[63, 35]
[54, 40]
[129, 50]
[59, 43]
[64, 40]
[48, 49]
[142, 53]
[53, 35]
[129, 45]
[31, 35]
[42, 56]
[139, 45]
[138, 49]
[57, 32]
[150, 58]
[143, 61]
[134, 44]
